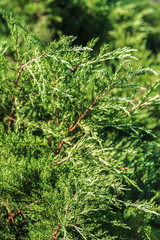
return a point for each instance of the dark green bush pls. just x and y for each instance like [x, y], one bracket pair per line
[74, 162]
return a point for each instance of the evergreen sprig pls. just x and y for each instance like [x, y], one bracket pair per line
[74, 162]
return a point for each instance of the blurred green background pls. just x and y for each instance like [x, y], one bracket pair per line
[134, 24]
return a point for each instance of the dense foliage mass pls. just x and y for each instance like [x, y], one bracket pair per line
[78, 159]
[134, 24]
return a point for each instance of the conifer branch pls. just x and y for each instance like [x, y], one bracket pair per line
[57, 163]
[26, 64]
[86, 111]
[19, 56]
[56, 233]
[11, 217]
[27, 100]
[67, 210]
[55, 98]
[140, 105]
[60, 146]
[18, 76]
[77, 228]
[4, 157]
[82, 116]
[1, 206]
[10, 118]
[13, 69]
[86, 189]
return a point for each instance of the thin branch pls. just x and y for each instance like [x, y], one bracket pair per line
[57, 163]
[1, 206]
[10, 118]
[27, 100]
[50, 120]
[18, 76]
[69, 139]
[74, 68]
[58, 229]
[4, 157]
[56, 233]
[33, 203]
[26, 64]
[11, 217]
[55, 98]
[81, 117]
[140, 105]
[13, 69]
[77, 228]
[20, 86]
[86, 111]
[19, 57]
[67, 210]
[60, 146]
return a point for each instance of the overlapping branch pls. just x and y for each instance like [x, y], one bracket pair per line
[23, 66]
[86, 111]
[12, 216]
[18, 76]
[26, 64]
[81, 117]
[140, 105]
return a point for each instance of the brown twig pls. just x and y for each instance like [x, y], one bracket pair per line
[67, 210]
[10, 118]
[77, 228]
[60, 146]
[19, 74]
[57, 163]
[11, 217]
[20, 86]
[74, 68]
[26, 64]
[86, 111]
[76, 135]
[139, 106]
[14, 215]
[56, 233]
[4, 157]
[81, 117]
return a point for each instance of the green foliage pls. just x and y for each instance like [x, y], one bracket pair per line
[54, 18]
[74, 162]
[40, 15]
[136, 25]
